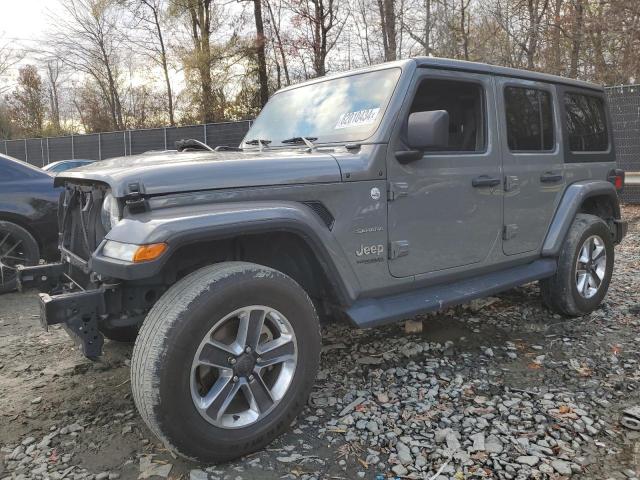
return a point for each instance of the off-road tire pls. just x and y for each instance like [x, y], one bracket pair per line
[167, 342]
[31, 251]
[559, 292]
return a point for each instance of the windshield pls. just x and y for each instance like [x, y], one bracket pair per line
[345, 109]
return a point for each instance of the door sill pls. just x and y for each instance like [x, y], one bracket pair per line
[373, 312]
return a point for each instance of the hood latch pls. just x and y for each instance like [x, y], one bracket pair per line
[135, 199]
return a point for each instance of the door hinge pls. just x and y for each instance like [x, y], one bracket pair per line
[511, 182]
[397, 190]
[509, 231]
[398, 249]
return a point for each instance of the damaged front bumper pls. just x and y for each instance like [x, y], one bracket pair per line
[78, 311]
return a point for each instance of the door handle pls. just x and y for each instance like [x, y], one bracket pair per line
[485, 181]
[550, 177]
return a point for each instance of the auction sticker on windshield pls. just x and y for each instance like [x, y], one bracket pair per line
[356, 119]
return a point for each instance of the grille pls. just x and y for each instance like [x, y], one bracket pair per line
[80, 223]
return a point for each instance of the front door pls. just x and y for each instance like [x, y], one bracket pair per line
[445, 207]
[532, 162]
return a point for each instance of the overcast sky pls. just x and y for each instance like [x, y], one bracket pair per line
[23, 22]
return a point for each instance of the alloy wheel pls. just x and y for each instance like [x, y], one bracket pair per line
[591, 266]
[243, 367]
[12, 254]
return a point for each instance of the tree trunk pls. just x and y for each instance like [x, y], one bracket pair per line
[165, 67]
[200, 30]
[54, 103]
[556, 51]
[463, 29]
[260, 53]
[576, 42]
[319, 37]
[276, 29]
[388, 27]
[427, 28]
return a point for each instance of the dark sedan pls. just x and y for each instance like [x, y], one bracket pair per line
[62, 165]
[28, 218]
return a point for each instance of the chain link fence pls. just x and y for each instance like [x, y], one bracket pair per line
[100, 146]
[624, 104]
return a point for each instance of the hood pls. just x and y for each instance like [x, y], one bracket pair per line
[173, 172]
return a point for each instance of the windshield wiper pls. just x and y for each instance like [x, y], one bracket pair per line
[308, 141]
[261, 142]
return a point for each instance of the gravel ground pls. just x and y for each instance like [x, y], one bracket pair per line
[499, 388]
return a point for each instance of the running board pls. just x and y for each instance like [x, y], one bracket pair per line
[373, 312]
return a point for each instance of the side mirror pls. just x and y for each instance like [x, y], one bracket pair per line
[427, 130]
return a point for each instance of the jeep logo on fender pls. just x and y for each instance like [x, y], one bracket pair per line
[370, 250]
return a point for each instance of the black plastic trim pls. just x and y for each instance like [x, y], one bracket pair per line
[374, 312]
[134, 271]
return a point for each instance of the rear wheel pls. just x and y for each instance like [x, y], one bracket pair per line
[17, 247]
[225, 360]
[584, 270]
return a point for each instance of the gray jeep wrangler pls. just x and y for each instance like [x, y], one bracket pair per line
[376, 194]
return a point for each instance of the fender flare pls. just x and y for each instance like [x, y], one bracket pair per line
[179, 226]
[573, 198]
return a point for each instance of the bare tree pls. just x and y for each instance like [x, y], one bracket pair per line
[322, 26]
[148, 33]
[199, 15]
[419, 24]
[53, 78]
[9, 57]
[86, 39]
[275, 24]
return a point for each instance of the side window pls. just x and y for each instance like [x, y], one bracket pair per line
[529, 119]
[464, 102]
[586, 123]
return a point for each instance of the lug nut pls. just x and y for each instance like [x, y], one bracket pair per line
[232, 361]
[247, 350]
[235, 379]
[251, 378]
[259, 359]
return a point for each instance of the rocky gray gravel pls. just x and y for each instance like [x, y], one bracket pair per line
[499, 388]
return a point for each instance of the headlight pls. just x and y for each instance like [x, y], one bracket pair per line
[130, 252]
[109, 214]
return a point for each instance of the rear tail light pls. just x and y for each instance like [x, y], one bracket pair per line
[616, 177]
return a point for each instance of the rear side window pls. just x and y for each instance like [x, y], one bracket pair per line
[529, 119]
[586, 123]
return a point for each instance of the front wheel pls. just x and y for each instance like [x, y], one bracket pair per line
[226, 360]
[17, 247]
[584, 269]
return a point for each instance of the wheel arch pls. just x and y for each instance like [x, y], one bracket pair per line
[594, 197]
[288, 237]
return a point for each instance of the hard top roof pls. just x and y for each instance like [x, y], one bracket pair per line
[461, 66]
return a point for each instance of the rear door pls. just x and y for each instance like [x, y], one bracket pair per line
[532, 161]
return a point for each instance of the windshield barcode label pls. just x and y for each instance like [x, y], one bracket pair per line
[355, 119]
